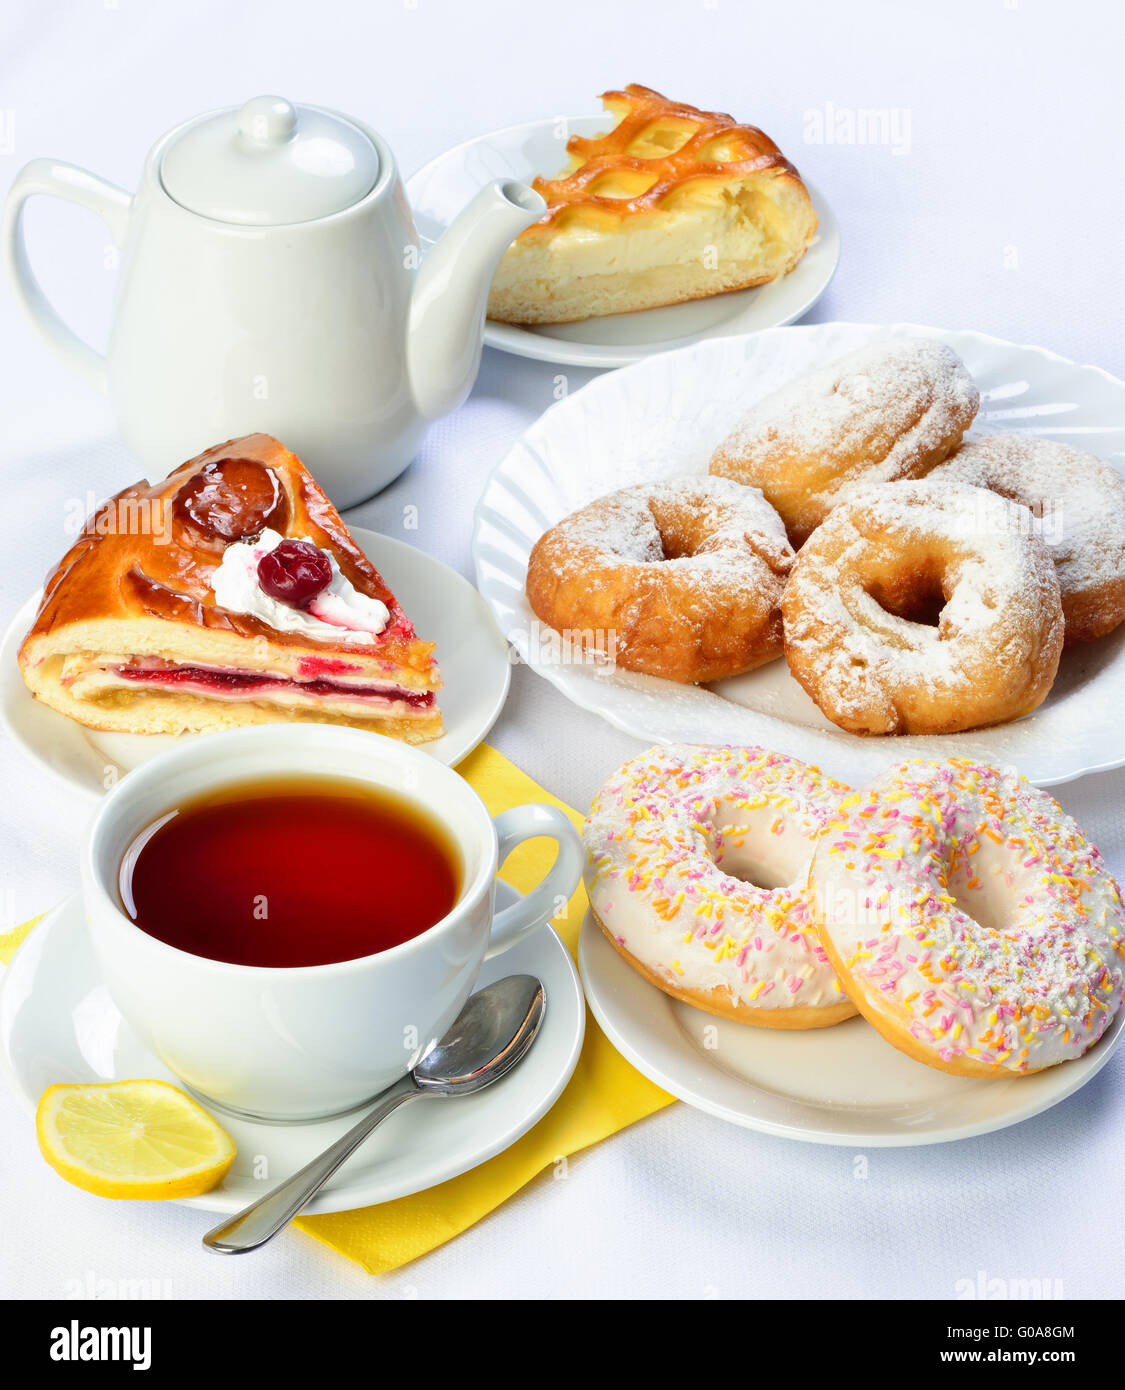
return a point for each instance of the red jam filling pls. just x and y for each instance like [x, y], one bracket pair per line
[310, 666]
[254, 680]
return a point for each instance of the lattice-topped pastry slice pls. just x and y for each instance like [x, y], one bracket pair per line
[671, 204]
[230, 593]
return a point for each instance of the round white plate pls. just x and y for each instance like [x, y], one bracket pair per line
[665, 416]
[841, 1085]
[442, 188]
[58, 1024]
[446, 609]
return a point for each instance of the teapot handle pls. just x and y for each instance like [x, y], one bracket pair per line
[111, 203]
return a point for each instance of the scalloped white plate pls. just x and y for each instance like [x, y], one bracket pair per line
[444, 606]
[664, 416]
[441, 189]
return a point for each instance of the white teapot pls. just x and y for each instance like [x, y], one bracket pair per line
[271, 280]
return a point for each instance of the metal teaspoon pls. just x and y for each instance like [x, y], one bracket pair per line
[490, 1035]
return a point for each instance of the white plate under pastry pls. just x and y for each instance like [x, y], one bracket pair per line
[441, 189]
[840, 1085]
[58, 1024]
[445, 608]
[665, 416]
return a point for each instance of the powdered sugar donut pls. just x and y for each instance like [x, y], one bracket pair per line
[697, 866]
[924, 607]
[970, 919]
[680, 578]
[1078, 505]
[883, 413]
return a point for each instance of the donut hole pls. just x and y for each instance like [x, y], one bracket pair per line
[751, 869]
[757, 847]
[675, 545]
[983, 902]
[916, 596]
[1037, 506]
[682, 532]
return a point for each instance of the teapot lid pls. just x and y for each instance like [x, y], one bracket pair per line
[268, 163]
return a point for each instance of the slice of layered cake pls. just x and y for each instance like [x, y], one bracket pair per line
[230, 593]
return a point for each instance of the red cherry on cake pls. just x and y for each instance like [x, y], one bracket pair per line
[294, 572]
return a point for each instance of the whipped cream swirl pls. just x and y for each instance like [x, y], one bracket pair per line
[340, 613]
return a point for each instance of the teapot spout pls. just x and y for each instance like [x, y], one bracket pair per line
[450, 295]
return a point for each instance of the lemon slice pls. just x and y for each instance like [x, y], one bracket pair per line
[140, 1139]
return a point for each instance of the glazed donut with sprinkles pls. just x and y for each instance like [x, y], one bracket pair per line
[969, 919]
[697, 872]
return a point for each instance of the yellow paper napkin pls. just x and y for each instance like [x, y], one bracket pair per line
[604, 1095]
[9, 940]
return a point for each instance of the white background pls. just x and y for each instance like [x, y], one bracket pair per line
[1003, 213]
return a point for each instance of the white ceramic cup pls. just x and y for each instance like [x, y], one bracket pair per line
[303, 1042]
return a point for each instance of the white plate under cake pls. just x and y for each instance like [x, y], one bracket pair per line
[474, 663]
[440, 189]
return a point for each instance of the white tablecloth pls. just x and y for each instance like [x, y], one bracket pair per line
[990, 199]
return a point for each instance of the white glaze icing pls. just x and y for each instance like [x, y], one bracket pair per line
[697, 864]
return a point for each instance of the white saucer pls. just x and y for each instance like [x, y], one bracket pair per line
[58, 1024]
[446, 609]
[665, 416]
[840, 1085]
[442, 188]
